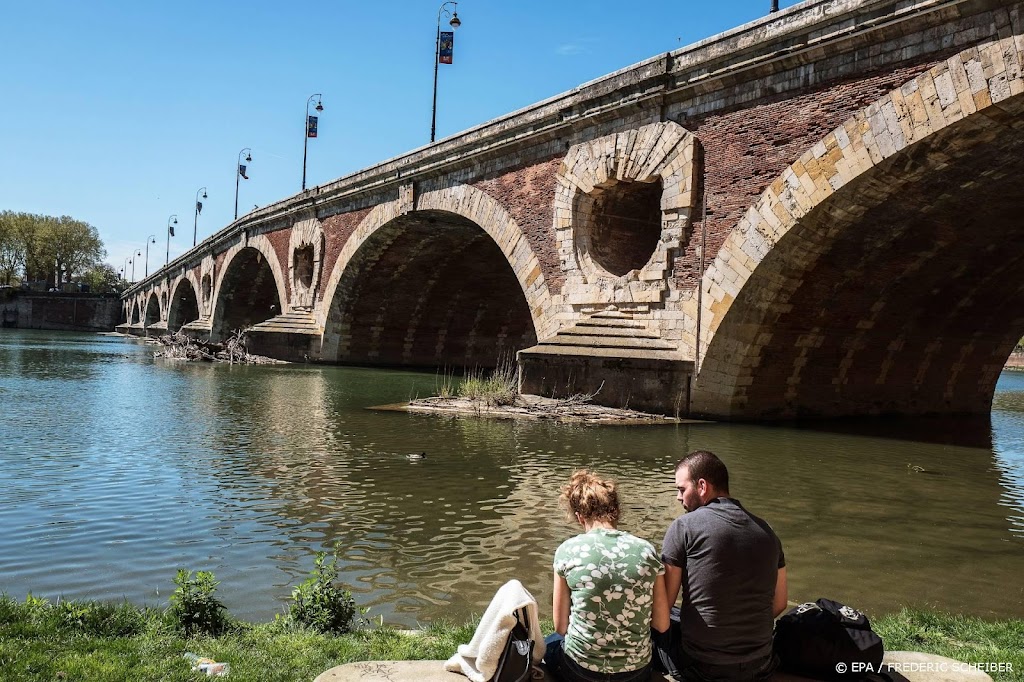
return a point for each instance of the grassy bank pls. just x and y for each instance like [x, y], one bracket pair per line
[101, 642]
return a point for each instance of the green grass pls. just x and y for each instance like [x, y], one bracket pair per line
[107, 642]
[96, 641]
[498, 387]
[964, 638]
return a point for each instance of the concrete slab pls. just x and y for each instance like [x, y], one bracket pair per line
[903, 666]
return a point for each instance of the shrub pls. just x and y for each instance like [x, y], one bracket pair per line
[193, 608]
[318, 603]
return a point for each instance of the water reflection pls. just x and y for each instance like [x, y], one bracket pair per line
[131, 467]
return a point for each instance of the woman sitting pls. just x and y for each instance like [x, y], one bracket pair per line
[609, 591]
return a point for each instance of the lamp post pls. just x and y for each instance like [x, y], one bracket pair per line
[455, 23]
[240, 173]
[135, 257]
[171, 222]
[151, 239]
[199, 209]
[124, 270]
[310, 132]
[775, 6]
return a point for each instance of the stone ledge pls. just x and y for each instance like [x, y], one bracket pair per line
[909, 666]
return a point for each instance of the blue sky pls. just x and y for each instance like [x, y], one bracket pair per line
[116, 113]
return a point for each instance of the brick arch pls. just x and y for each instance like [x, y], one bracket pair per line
[901, 182]
[261, 244]
[477, 206]
[190, 278]
[152, 305]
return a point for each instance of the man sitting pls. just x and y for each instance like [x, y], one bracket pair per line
[732, 571]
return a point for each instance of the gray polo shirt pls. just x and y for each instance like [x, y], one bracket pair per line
[730, 560]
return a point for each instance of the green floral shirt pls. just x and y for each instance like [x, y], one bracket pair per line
[611, 577]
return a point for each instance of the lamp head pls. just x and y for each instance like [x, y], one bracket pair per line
[204, 193]
[455, 22]
[248, 157]
[319, 106]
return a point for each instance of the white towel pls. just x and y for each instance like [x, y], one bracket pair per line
[478, 660]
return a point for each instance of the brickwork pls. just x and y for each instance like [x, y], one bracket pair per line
[337, 230]
[280, 241]
[526, 195]
[924, 143]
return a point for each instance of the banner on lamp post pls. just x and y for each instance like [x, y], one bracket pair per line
[311, 122]
[199, 207]
[170, 231]
[241, 171]
[444, 55]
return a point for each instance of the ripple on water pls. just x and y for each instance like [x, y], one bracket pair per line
[134, 468]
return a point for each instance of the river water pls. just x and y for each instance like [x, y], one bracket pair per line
[117, 469]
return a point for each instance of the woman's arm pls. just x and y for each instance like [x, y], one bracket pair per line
[661, 607]
[561, 600]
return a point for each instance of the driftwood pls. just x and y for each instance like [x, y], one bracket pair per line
[180, 346]
[575, 408]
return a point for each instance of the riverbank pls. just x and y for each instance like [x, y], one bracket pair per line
[54, 311]
[101, 642]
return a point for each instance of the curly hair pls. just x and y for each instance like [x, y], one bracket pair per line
[590, 496]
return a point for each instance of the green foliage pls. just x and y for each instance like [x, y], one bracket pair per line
[500, 387]
[194, 608]
[103, 279]
[318, 603]
[444, 385]
[46, 247]
[962, 638]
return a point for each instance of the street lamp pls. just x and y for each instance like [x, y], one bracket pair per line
[240, 173]
[199, 209]
[151, 239]
[455, 23]
[124, 270]
[171, 222]
[775, 6]
[135, 257]
[310, 132]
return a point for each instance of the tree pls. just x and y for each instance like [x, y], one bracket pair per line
[72, 246]
[53, 250]
[103, 279]
[12, 249]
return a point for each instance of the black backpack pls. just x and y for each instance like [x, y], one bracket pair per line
[826, 640]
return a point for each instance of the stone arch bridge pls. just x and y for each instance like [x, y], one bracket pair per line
[816, 214]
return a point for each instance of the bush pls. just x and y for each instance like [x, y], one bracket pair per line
[319, 604]
[193, 608]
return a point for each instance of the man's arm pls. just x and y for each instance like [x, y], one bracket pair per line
[561, 600]
[781, 593]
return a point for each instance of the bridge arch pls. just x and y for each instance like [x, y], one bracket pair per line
[250, 287]
[880, 272]
[184, 303]
[152, 315]
[453, 282]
